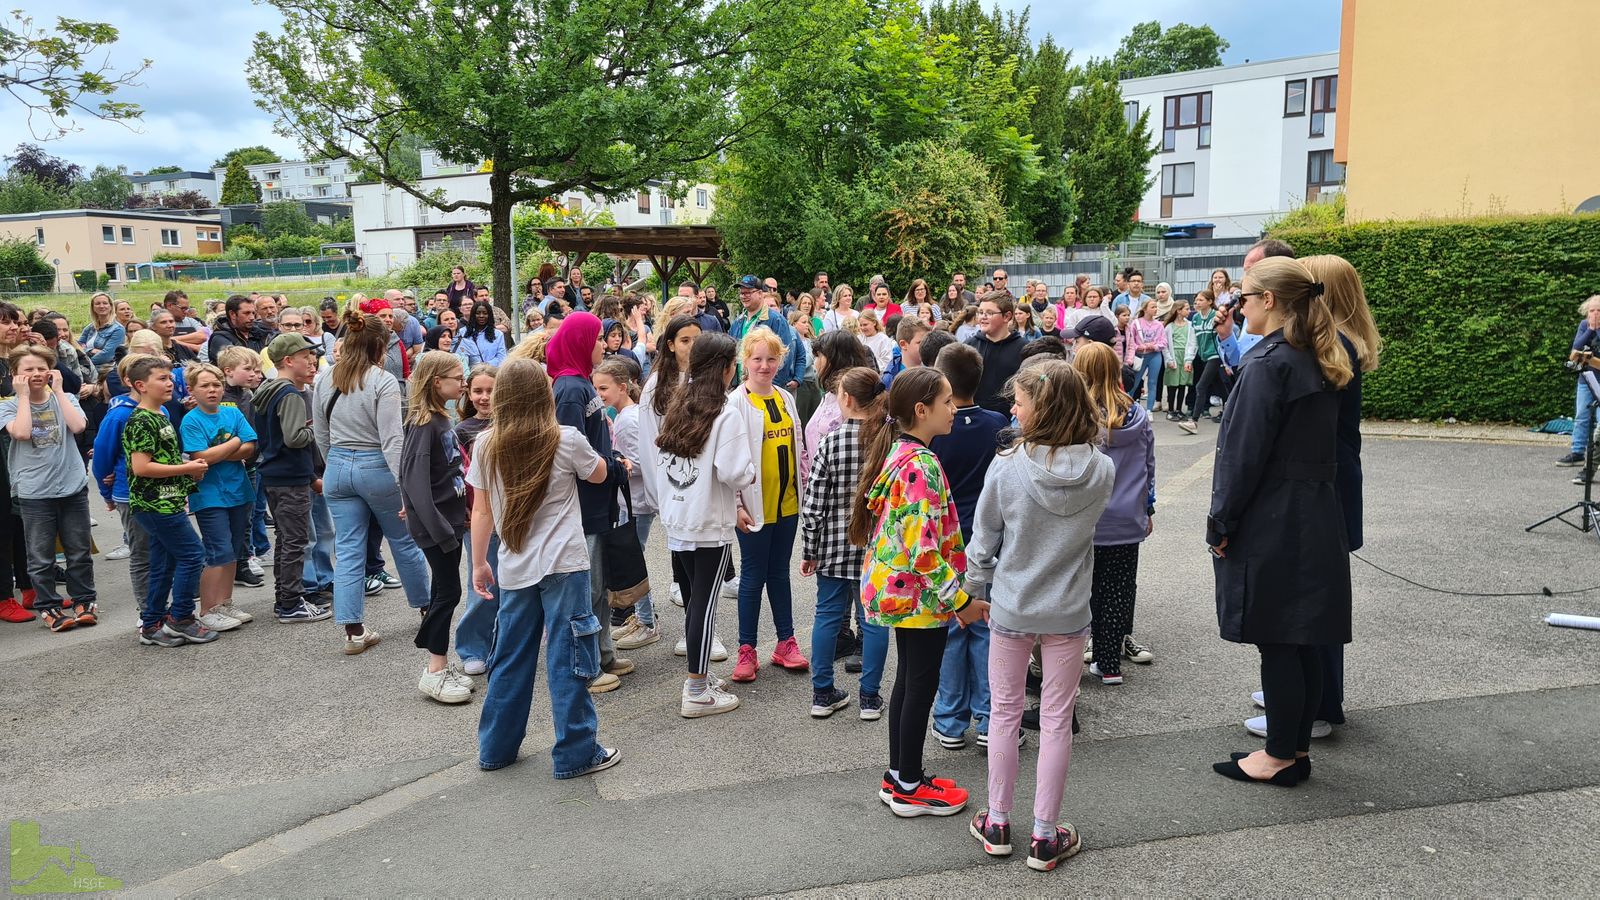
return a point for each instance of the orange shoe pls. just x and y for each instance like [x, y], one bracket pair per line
[12, 611]
[929, 799]
[787, 655]
[85, 614]
[58, 620]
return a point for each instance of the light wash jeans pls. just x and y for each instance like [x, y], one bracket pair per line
[1583, 421]
[963, 681]
[475, 630]
[835, 596]
[558, 607]
[645, 609]
[359, 487]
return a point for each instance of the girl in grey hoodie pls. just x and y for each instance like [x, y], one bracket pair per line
[1051, 487]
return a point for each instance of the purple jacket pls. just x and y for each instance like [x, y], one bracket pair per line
[1132, 449]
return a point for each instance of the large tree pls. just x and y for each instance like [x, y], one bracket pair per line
[1107, 161]
[105, 188]
[238, 188]
[554, 95]
[58, 74]
[32, 161]
[1148, 50]
[253, 155]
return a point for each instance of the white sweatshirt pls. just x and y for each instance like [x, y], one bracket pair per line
[698, 498]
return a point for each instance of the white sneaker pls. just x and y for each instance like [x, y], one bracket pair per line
[1258, 727]
[1088, 650]
[710, 703]
[461, 677]
[641, 636]
[234, 612]
[677, 595]
[254, 565]
[718, 652]
[359, 643]
[443, 687]
[474, 666]
[217, 620]
[730, 588]
[681, 648]
[1259, 698]
[122, 552]
[618, 632]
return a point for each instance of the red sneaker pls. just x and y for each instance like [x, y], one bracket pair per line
[886, 788]
[12, 611]
[746, 668]
[787, 655]
[28, 597]
[929, 799]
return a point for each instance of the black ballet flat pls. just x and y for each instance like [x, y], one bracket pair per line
[1302, 764]
[1282, 778]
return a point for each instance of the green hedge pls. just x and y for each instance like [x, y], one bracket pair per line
[1477, 315]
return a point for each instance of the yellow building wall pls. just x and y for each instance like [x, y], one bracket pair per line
[1469, 107]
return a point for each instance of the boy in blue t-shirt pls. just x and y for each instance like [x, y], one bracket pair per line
[224, 498]
[965, 454]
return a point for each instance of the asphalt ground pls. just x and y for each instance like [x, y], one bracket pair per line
[269, 763]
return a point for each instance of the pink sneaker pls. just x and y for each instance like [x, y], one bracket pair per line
[746, 669]
[787, 654]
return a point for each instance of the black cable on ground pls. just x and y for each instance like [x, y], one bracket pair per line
[1541, 592]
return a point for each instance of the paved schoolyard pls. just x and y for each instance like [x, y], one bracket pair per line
[270, 763]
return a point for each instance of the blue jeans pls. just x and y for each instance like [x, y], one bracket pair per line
[359, 487]
[645, 609]
[475, 629]
[963, 681]
[764, 562]
[1583, 421]
[319, 555]
[1149, 369]
[834, 599]
[557, 607]
[176, 559]
[258, 522]
[224, 531]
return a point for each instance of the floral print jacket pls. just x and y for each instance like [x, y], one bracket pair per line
[912, 575]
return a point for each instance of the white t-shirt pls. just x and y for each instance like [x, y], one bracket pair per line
[554, 544]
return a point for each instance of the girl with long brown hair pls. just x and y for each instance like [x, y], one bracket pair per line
[666, 376]
[705, 461]
[525, 475]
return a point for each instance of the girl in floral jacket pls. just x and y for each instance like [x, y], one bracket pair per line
[911, 582]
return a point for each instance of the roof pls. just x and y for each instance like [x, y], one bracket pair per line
[133, 214]
[1269, 68]
[695, 242]
[172, 176]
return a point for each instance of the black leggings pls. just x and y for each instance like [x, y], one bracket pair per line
[1207, 383]
[1112, 592]
[1291, 678]
[444, 570]
[916, 680]
[700, 575]
[1177, 397]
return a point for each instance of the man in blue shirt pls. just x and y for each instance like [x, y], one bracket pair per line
[756, 313]
[1587, 338]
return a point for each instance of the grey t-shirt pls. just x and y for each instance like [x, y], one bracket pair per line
[48, 466]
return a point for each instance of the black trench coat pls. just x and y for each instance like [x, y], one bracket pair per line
[1285, 578]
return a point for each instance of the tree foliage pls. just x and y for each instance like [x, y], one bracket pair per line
[237, 186]
[165, 170]
[1107, 162]
[19, 258]
[286, 217]
[105, 188]
[253, 155]
[53, 75]
[175, 200]
[27, 194]
[598, 95]
[1148, 50]
[31, 160]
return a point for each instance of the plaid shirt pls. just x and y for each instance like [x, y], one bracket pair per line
[830, 495]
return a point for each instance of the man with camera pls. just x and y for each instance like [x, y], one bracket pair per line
[1585, 353]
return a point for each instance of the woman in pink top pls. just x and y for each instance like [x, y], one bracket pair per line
[1147, 337]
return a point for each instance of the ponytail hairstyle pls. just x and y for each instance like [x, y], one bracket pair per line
[1308, 322]
[1206, 295]
[694, 409]
[519, 450]
[920, 385]
[1348, 303]
[865, 387]
[366, 339]
[623, 372]
[666, 368]
[1102, 377]
[1063, 412]
[425, 402]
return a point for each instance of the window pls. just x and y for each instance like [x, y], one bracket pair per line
[274, 195]
[38, 236]
[1186, 111]
[111, 271]
[1324, 100]
[108, 234]
[701, 198]
[320, 171]
[200, 234]
[322, 190]
[574, 203]
[215, 236]
[1176, 181]
[130, 272]
[169, 237]
[644, 201]
[273, 176]
[1321, 172]
[308, 171]
[1294, 98]
[127, 234]
[1130, 113]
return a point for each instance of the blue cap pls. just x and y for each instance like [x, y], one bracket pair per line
[751, 282]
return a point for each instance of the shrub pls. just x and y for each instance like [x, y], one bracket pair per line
[287, 246]
[431, 271]
[19, 258]
[1477, 315]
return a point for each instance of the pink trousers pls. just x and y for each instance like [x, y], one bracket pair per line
[1062, 656]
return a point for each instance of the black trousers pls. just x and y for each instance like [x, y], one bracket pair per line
[444, 570]
[1112, 593]
[1207, 383]
[1291, 678]
[700, 575]
[916, 681]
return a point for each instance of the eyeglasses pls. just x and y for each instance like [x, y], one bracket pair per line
[999, 278]
[1251, 294]
[456, 377]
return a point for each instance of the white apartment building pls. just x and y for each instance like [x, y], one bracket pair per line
[209, 185]
[325, 179]
[393, 227]
[1239, 145]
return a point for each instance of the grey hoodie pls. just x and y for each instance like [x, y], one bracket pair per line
[1044, 505]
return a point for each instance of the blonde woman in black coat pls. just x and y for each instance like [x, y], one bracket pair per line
[1276, 527]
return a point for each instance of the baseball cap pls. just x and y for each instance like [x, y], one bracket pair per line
[751, 282]
[286, 345]
[1097, 328]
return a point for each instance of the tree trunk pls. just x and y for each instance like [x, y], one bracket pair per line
[500, 238]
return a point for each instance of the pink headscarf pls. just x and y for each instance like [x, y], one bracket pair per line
[571, 348]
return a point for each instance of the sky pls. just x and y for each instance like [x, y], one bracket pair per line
[197, 105]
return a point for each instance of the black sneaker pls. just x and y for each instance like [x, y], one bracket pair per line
[1030, 719]
[1045, 854]
[158, 635]
[243, 577]
[1570, 460]
[957, 742]
[191, 631]
[852, 664]
[826, 703]
[871, 707]
[305, 612]
[996, 839]
[1174, 417]
[322, 598]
